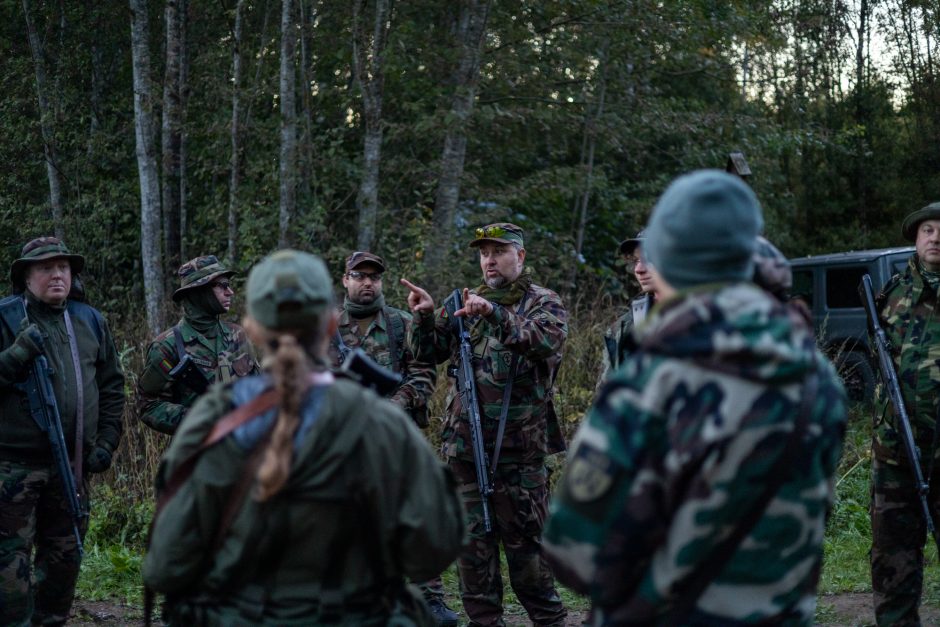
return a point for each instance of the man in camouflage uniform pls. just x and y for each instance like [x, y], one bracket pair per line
[219, 350]
[366, 322]
[88, 386]
[617, 335]
[907, 307]
[518, 326]
[697, 489]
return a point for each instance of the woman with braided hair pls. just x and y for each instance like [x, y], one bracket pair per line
[291, 497]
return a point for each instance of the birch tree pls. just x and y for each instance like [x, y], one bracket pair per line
[46, 119]
[171, 135]
[145, 132]
[288, 105]
[368, 57]
[235, 133]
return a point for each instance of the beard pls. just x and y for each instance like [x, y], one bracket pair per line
[364, 299]
[495, 282]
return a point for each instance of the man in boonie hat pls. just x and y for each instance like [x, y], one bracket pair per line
[88, 386]
[907, 307]
[196, 352]
[517, 331]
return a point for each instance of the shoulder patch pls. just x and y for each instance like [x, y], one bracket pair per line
[590, 474]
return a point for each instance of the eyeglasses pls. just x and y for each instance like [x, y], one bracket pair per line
[359, 275]
[490, 231]
[225, 286]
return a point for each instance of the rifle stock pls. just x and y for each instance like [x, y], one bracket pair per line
[467, 387]
[893, 387]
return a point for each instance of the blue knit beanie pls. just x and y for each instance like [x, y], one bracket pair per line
[704, 230]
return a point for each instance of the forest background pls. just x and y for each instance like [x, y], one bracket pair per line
[150, 132]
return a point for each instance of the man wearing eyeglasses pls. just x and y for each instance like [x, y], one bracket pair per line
[517, 332]
[199, 350]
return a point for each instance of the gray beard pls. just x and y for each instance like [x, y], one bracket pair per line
[495, 282]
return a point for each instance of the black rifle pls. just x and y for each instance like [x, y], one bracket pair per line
[467, 387]
[367, 371]
[186, 371]
[45, 413]
[890, 379]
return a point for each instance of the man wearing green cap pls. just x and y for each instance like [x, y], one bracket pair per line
[198, 351]
[617, 335]
[517, 331]
[315, 500]
[907, 308]
[38, 586]
[697, 488]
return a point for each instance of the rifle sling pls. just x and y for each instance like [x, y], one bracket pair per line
[719, 556]
[178, 341]
[504, 408]
[77, 457]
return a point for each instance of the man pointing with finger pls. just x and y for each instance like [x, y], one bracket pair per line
[517, 331]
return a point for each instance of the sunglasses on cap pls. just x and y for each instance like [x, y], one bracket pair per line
[490, 231]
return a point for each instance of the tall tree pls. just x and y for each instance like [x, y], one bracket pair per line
[471, 32]
[368, 60]
[235, 133]
[144, 128]
[171, 134]
[46, 120]
[288, 105]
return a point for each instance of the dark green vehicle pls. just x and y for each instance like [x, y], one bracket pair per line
[828, 284]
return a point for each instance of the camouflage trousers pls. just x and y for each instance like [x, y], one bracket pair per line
[38, 588]
[518, 509]
[898, 533]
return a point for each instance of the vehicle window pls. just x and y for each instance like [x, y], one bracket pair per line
[803, 286]
[842, 286]
[898, 266]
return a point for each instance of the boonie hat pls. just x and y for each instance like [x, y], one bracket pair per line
[628, 246]
[198, 272]
[288, 290]
[40, 249]
[501, 232]
[913, 220]
[360, 257]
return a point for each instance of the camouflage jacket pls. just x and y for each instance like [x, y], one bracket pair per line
[379, 341]
[908, 311]
[161, 401]
[366, 503]
[537, 335]
[617, 336]
[677, 449]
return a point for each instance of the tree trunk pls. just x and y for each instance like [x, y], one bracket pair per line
[470, 35]
[46, 119]
[171, 131]
[145, 132]
[184, 98]
[235, 133]
[368, 72]
[287, 102]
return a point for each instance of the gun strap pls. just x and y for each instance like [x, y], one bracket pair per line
[396, 336]
[77, 457]
[504, 408]
[178, 340]
[782, 469]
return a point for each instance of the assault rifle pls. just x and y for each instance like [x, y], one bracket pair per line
[45, 413]
[367, 371]
[467, 387]
[890, 379]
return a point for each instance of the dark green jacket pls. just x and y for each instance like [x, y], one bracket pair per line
[283, 559]
[20, 438]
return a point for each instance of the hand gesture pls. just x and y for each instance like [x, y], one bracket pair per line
[474, 305]
[418, 299]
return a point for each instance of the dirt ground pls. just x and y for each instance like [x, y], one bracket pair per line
[838, 610]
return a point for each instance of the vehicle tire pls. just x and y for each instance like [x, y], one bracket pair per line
[857, 374]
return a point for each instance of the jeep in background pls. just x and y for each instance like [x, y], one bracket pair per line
[828, 284]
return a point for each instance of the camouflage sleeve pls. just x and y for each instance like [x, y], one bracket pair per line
[110, 380]
[539, 332]
[432, 338]
[155, 400]
[605, 361]
[419, 376]
[607, 517]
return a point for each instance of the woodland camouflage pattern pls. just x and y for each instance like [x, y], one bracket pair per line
[701, 412]
[908, 311]
[617, 337]
[162, 402]
[419, 377]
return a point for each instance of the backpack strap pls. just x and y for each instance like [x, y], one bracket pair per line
[783, 469]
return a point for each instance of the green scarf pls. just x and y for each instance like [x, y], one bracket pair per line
[359, 311]
[509, 294]
[201, 309]
[932, 279]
